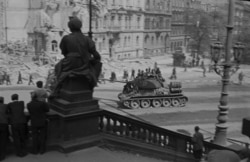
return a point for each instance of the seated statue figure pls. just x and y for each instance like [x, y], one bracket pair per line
[80, 58]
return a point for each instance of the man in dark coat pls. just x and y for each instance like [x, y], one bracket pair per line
[18, 124]
[38, 110]
[198, 144]
[4, 133]
[80, 56]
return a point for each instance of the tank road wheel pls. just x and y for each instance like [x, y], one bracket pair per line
[166, 103]
[156, 103]
[135, 104]
[175, 102]
[183, 102]
[126, 103]
[145, 103]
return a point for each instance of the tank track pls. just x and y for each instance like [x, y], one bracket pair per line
[155, 101]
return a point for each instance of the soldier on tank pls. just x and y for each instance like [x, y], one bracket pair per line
[132, 74]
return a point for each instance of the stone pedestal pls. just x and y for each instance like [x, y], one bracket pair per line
[74, 115]
[76, 96]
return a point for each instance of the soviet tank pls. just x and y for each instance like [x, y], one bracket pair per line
[144, 92]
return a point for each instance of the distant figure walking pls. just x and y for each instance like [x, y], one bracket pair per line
[204, 71]
[173, 76]
[240, 77]
[8, 82]
[197, 140]
[19, 81]
[31, 80]
[113, 76]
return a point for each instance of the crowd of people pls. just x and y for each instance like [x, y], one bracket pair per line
[148, 72]
[18, 127]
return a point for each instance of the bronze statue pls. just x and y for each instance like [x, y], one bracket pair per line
[80, 57]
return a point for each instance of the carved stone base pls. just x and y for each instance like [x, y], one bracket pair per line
[75, 96]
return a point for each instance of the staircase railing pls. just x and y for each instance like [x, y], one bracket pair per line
[122, 126]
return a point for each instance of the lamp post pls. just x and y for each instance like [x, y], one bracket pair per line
[225, 69]
[90, 33]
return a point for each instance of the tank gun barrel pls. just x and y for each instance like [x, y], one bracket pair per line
[118, 81]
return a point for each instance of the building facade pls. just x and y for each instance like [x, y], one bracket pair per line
[119, 32]
[178, 35]
[157, 27]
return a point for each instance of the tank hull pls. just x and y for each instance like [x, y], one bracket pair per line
[174, 100]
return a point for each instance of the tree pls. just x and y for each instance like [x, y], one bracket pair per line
[204, 27]
[199, 30]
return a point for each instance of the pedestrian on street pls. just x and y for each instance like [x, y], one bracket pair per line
[113, 77]
[173, 76]
[8, 82]
[204, 71]
[241, 77]
[4, 131]
[18, 124]
[31, 80]
[38, 110]
[19, 81]
[197, 140]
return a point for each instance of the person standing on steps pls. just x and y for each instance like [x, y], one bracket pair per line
[4, 132]
[18, 124]
[197, 140]
[37, 110]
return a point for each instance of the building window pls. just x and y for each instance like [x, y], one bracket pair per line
[54, 46]
[120, 21]
[125, 42]
[126, 22]
[112, 21]
[147, 4]
[104, 43]
[138, 21]
[105, 22]
[137, 41]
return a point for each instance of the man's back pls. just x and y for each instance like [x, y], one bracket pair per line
[16, 111]
[198, 141]
[38, 110]
[3, 114]
[41, 94]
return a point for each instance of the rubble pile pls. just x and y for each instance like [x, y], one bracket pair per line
[14, 58]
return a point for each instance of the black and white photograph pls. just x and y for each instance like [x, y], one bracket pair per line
[125, 80]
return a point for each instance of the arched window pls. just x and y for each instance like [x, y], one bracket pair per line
[137, 41]
[105, 22]
[104, 43]
[152, 40]
[54, 46]
[125, 42]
